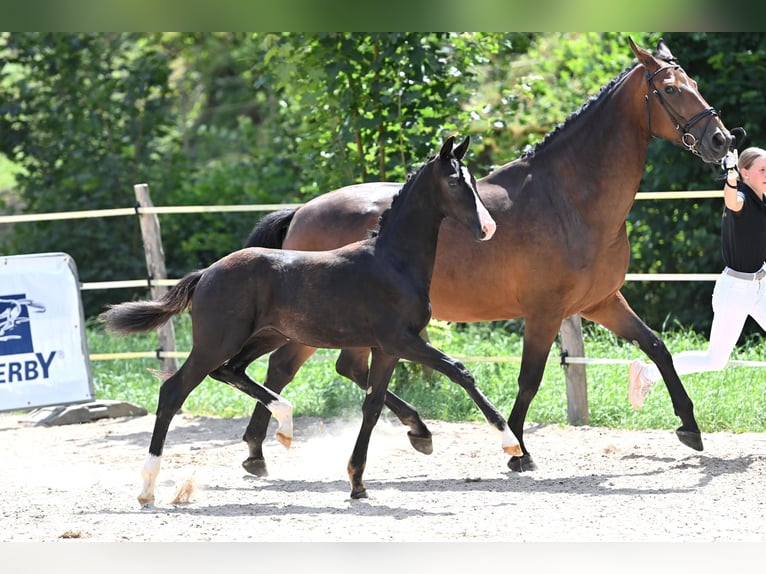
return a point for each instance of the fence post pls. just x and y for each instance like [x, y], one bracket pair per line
[155, 265]
[572, 345]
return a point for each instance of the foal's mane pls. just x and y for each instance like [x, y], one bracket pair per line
[590, 104]
[411, 177]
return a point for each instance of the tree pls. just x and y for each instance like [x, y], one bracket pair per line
[371, 106]
[83, 115]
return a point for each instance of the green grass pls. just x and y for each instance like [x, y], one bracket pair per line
[730, 400]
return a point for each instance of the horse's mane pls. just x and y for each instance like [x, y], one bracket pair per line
[587, 106]
[411, 177]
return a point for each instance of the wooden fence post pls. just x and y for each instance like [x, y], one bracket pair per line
[155, 265]
[572, 345]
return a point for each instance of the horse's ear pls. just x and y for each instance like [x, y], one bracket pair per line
[462, 148]
[644, 57]
[446, 150]
[637, 50]
[663, 52]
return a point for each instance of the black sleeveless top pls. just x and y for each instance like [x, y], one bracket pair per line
[743, 234]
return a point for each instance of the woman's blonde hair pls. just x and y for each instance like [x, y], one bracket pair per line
[749, 155]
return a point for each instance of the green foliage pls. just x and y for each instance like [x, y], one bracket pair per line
[371, 106]
[551, 80]
[80, 114]
[231, 118]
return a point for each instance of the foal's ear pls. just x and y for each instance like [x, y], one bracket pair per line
[446, 150]
[462, 148]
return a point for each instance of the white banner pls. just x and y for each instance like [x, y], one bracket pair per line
[44, 358]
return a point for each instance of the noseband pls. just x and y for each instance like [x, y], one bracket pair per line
[687, 138]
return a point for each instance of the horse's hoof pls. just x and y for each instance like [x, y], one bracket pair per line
[357, 494]
[522, 463]
[284, 440]
[422, 444]
[692, 439]
[255, 466]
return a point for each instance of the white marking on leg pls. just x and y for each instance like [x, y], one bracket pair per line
[149, 474]
[282, 409]
[510, 443]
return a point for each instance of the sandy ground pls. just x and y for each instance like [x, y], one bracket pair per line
[80, 482]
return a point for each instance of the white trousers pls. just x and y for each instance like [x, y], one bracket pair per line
[733, 300]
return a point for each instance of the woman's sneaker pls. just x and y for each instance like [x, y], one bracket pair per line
[638, 384]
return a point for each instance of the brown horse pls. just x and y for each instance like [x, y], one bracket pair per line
[561, 247]
[371, 294]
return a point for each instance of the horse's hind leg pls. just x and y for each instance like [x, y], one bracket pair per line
[278, 406]
[352, 364]
[616, 315]
[284, 362]
[233, 373]
[173, 393]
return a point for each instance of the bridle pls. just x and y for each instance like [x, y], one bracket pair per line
[687, 138]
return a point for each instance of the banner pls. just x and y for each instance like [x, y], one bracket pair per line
[44, 357]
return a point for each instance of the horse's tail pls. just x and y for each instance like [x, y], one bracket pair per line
[271, 230]
[142, 316]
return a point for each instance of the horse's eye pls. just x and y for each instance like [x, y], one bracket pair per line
[452, 182]
[670, 90]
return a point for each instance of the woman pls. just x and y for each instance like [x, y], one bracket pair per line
[741, 289]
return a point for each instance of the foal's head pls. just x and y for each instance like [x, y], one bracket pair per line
[457, 193]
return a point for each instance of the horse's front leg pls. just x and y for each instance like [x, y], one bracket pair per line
[616, 315]
[539, 333]
[284, 362]
[381, 368]
[413, 348]
[353, 364]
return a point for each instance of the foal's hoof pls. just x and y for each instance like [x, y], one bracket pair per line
[522, 463]
[513, 449]
[284, 440]
[255, 466]
[692, 439]
[422, 444]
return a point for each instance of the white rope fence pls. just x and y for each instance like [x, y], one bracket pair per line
[465, 358]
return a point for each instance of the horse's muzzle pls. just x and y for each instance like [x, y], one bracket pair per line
[714, 145]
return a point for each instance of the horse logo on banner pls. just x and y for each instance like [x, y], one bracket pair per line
[15, 333]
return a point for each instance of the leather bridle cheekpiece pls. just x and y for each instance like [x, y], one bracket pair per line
[687, 138]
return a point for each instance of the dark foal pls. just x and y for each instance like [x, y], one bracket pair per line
[561, 247]
[371, 294]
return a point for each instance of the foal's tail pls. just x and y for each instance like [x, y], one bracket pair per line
[271, 230]
[142, 316]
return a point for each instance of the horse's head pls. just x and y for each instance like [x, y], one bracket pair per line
[457, 185]
[675, 109]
